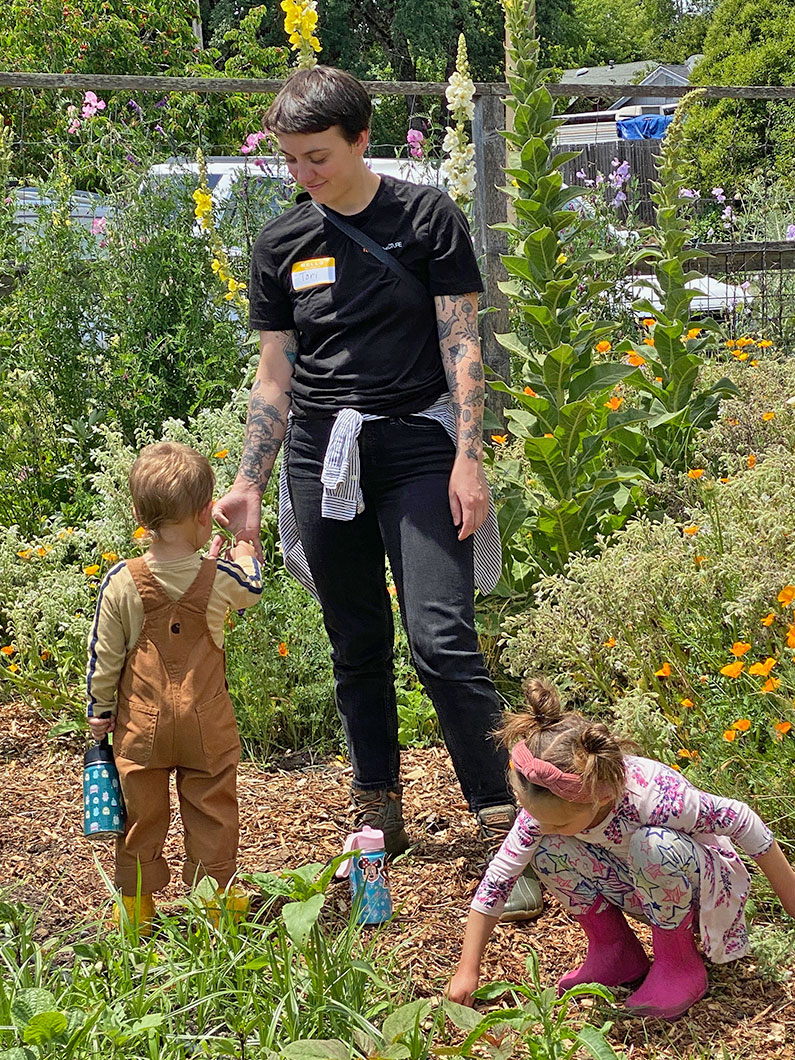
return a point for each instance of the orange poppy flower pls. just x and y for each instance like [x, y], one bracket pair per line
[499, 439]
[768, 416]
[693, 333]
[729, 735]
[752, 460]
[769, 619]
[8, 649]
[222, 454]
[635, 359]
[610, 642]
[140, 532]
[782, 728]
[791, 637]
[770, 685]
[89, 571]
[664, 671]
[686, 703]
[743, 725]
[689, 530]
[649, 322]
[283, 650]
[787, 595]
[529, 391]
[648, 341]
[614, 403]
[740, 647]
[733, 669]
[698, 560]
[764, 343]
[603, 347]
[762, 669]
[695, 472]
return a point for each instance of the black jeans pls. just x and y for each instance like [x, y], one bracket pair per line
[405, 469]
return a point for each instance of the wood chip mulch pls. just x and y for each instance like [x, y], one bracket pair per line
[292, 816]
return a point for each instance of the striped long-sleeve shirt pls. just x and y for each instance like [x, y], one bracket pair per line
[120, 614]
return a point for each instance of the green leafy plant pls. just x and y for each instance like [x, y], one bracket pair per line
[677, 341]
[564, 414]
[536, 1026]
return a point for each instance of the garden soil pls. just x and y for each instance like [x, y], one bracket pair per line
[298, 813]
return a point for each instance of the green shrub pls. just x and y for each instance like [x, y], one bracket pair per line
[641, 631]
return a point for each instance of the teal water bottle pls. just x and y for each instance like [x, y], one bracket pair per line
[103, 806]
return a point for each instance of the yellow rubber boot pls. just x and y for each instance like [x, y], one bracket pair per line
[233, 899]
[140, 912]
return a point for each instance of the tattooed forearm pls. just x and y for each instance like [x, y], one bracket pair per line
[268, 408]
[265, 427]
[459, 343]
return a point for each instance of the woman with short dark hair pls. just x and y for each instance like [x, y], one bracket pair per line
[365, 296]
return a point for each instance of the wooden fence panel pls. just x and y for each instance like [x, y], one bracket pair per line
[598, 158]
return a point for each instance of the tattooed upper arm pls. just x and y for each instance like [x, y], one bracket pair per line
[288, 341]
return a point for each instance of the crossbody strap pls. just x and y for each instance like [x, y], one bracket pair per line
[373, 248]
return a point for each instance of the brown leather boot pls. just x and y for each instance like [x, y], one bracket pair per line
[525, 901]
[382, 809]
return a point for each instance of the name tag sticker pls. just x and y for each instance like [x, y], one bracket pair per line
[313, 273]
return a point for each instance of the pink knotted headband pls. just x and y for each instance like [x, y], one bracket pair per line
[567, 786]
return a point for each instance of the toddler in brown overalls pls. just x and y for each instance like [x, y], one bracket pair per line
[156, 665]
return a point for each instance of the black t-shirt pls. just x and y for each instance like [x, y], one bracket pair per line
[367, 339]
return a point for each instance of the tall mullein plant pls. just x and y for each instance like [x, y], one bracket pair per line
[575, 434]
[677, 340]
[458, 168]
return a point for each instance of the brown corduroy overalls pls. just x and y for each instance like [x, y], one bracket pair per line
[174, 712]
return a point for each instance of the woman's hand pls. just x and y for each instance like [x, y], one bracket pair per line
[468, 491]
[240, 511]
[461, 986]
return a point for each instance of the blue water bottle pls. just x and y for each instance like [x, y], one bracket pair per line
[103, 807]
[368, 875]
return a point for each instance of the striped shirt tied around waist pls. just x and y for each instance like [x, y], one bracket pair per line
[343, 498]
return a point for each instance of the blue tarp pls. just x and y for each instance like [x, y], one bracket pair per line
[644, 127]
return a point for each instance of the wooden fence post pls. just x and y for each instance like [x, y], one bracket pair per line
[489, 209]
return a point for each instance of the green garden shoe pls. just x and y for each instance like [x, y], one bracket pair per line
[382, 809]
[525, 901]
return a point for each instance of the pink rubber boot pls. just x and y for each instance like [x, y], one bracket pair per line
[615, 955]
[678, 977]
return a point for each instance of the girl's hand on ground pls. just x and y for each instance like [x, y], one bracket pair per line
[460, 988]
[101, 726]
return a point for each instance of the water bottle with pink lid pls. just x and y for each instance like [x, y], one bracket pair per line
[368, 875]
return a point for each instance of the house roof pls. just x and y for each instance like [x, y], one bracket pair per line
[620, 73]
[645, 72]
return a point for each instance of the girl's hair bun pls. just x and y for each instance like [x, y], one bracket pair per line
[597, 740]
[543, 702]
